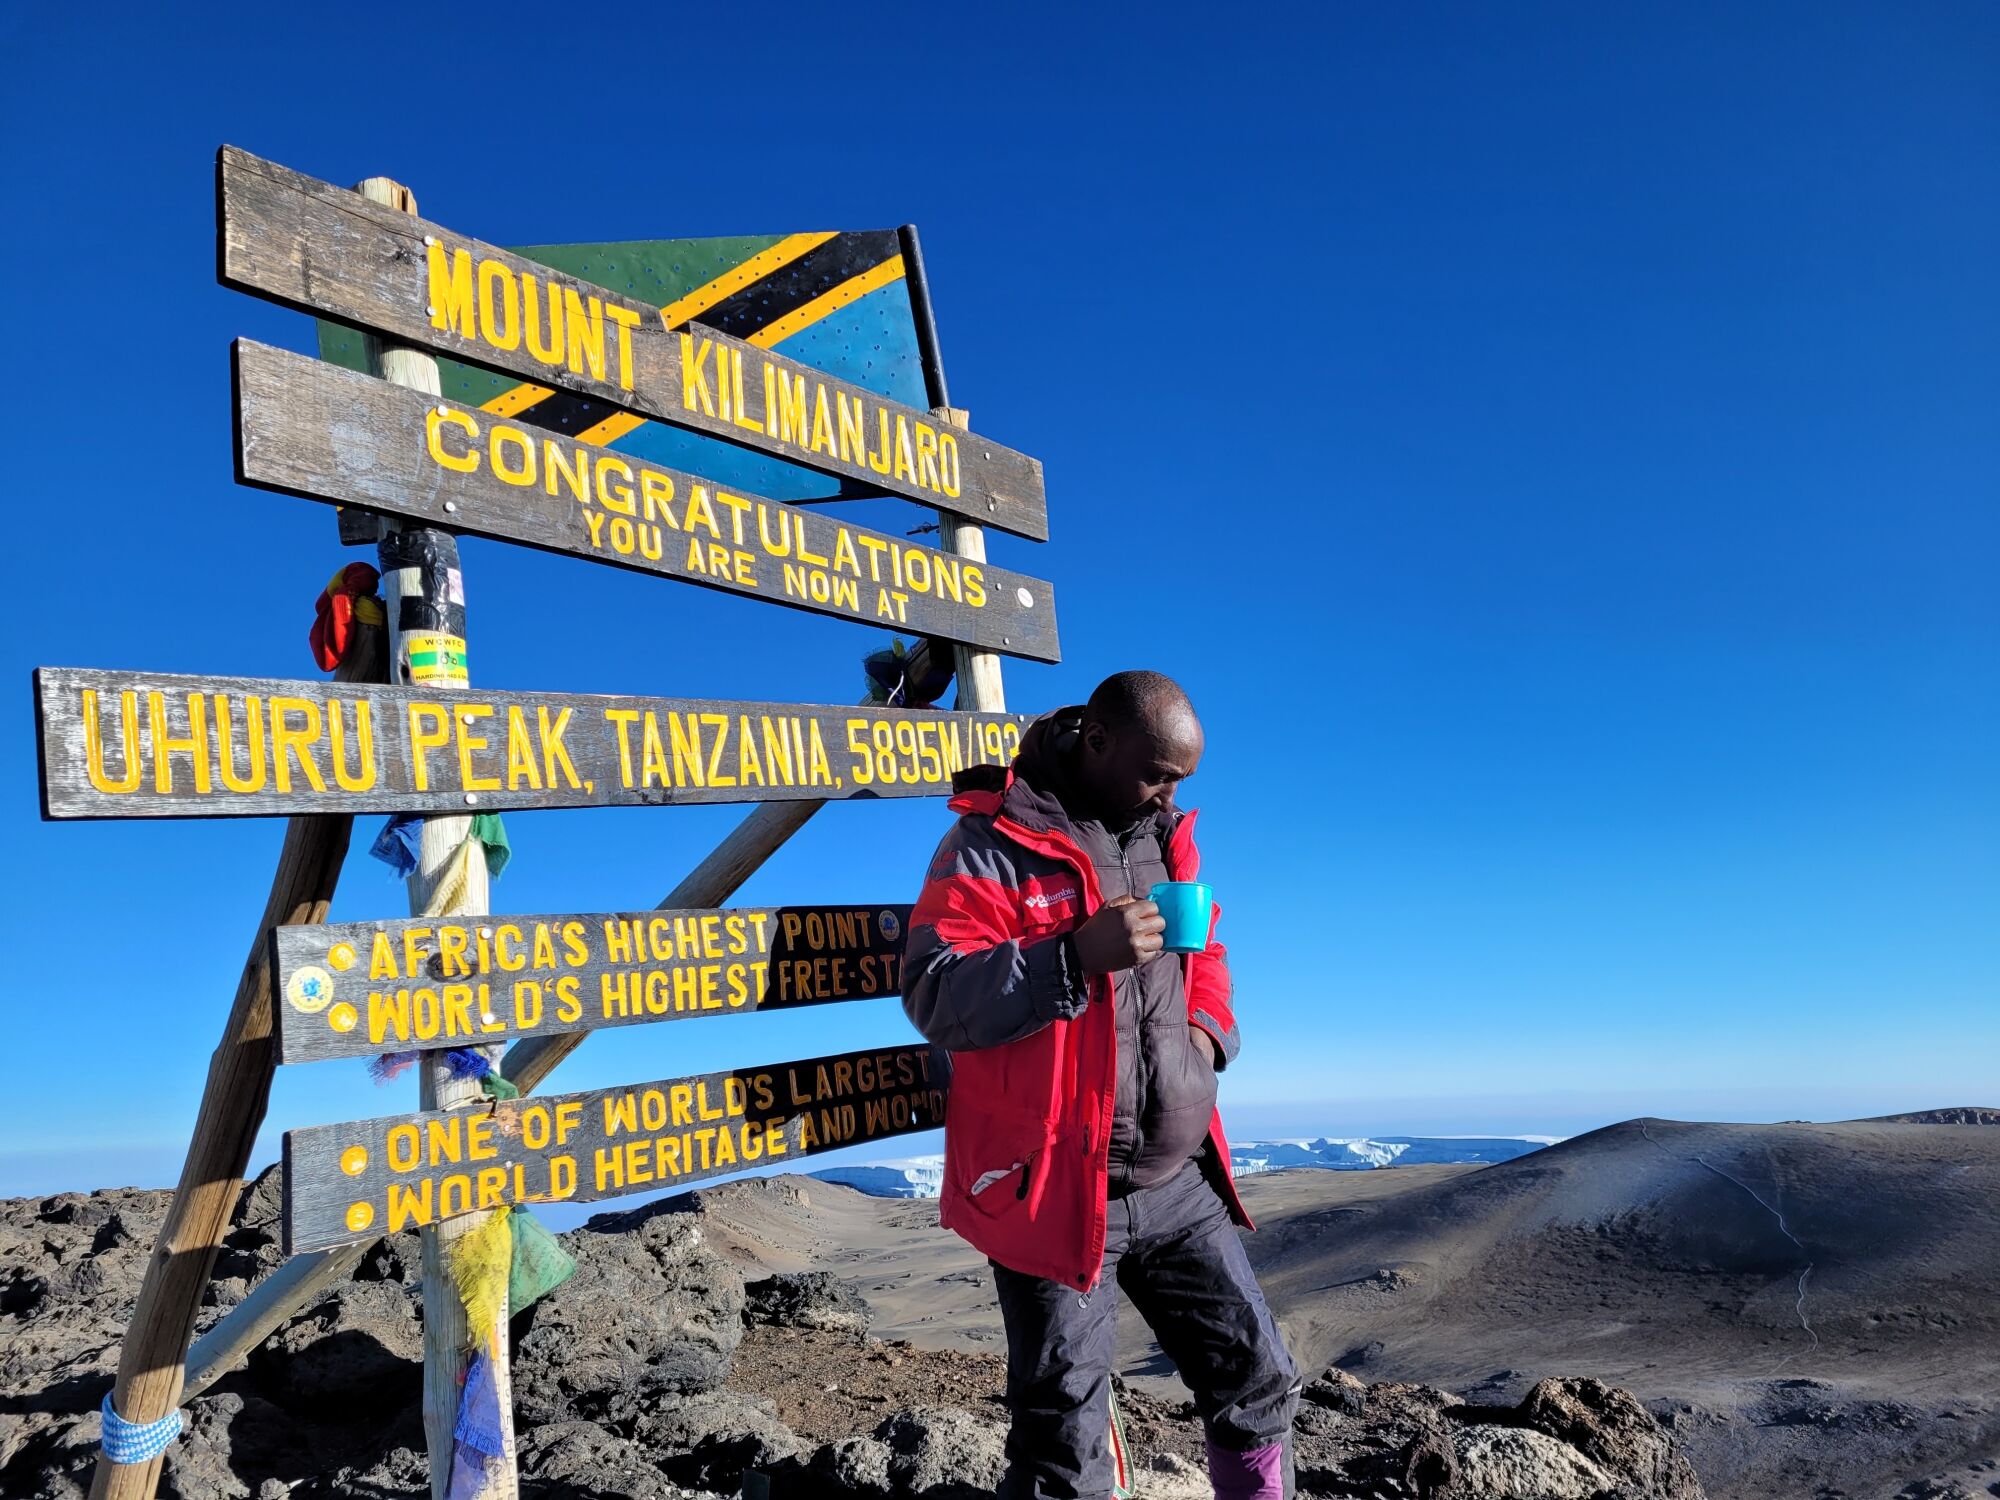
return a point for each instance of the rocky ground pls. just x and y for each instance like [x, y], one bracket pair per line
[656, 1371]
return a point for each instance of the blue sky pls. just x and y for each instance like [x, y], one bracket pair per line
[1555, 444]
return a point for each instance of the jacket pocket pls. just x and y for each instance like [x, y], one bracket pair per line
[1020, 1174]
[992, 1164]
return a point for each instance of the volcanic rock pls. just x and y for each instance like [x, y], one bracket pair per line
[711, 1440]
[651, 1310]
[562, 1460]
[1336, 1391]
[805, 1299]
[943, 1453]
[1609, 1427]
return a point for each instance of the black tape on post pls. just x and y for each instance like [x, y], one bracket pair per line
[426, 593]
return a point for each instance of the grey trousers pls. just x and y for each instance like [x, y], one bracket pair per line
[1176, 1255]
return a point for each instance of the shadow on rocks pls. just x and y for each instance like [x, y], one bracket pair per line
[924, 1453]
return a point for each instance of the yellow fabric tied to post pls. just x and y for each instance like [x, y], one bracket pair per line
[481, 1263]
[449, 894]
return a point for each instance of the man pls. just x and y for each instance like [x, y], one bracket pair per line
[1082, 1138]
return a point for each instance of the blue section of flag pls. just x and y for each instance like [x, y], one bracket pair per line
[871, 342]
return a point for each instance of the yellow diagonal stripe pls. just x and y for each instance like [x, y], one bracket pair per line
[512, 403]
[827, 303]
[611, 428]
[732, 281]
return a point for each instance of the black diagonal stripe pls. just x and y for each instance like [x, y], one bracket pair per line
[566, 412]
[791, 287]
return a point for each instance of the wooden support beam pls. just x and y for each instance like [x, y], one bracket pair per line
[273, 1302]
[151, 1363]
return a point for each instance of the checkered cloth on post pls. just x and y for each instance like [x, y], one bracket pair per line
[137, 1442]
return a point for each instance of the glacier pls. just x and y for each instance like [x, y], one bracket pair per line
[923, 1176]
[906, 1177]
[1358, 1153]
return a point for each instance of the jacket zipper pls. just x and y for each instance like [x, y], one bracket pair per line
[1138, 1025]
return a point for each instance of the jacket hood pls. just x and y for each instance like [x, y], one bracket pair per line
[1036, 759]
[1037, 789]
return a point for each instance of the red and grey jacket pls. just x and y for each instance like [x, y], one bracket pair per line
[1035, 1045]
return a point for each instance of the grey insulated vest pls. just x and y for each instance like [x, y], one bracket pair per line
[1166, 1087]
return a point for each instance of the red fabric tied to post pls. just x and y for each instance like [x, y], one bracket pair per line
[347, 600]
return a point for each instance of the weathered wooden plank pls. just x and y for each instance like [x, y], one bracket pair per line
[322, 249]
[156, 745]
[309, 428]
[369, 1177]
[357, 989]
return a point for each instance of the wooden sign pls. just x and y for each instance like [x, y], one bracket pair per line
[364, 988]
[322, 249]
[372, 1177]
[153, 745]
[310, 428]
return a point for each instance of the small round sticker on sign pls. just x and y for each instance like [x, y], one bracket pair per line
[891, 928]
[309, 990]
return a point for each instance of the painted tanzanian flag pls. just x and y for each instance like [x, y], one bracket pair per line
[837, 300]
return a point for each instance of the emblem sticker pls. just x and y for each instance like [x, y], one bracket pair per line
[309, 991]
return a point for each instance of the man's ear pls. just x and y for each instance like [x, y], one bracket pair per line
[1097, 740]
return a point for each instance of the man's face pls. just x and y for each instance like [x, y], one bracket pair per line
[1134, 772]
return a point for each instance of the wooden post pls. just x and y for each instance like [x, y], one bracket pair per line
[425, 596]
[979, 685]
[978, 672]
[151, 1362]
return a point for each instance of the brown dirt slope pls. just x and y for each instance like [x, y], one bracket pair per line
[1815, 1307]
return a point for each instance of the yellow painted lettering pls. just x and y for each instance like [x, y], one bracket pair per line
[435, 419]
[451, 291]
[289, 745]
[430, 728]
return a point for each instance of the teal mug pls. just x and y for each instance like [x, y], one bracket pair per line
[1188, 906]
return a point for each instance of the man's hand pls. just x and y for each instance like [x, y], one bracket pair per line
[1204, 1044]
[1121, 934]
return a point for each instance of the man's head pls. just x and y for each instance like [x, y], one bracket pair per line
[1140, 741]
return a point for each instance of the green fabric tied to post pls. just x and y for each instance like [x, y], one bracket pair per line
[490, 831]
[540, 1263]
